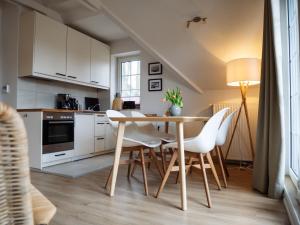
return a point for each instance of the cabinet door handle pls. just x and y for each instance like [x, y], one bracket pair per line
[60, 154]
[96, 82]
[72, 77]
[101, 123]
[100, 138]
[60, 74]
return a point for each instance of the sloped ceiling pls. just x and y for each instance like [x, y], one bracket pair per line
[198, 54]
[87, 16]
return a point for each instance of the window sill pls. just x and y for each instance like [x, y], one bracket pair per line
[290, 201]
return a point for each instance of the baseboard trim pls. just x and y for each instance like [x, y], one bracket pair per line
[290, 202]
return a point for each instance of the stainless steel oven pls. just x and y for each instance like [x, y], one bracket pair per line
[58, 131]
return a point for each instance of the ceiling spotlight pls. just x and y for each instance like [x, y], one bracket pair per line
[196, 19]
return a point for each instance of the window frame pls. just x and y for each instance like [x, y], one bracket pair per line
[291, 173]
[121, 60]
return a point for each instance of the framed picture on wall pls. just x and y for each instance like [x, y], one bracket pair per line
[155, 68]
[155, 84]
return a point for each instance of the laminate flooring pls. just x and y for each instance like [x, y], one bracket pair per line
[84, 201]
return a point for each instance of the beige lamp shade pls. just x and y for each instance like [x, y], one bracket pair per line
[243, 71]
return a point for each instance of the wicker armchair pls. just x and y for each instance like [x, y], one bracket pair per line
[20, 202]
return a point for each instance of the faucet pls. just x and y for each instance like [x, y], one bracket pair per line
[92, 108]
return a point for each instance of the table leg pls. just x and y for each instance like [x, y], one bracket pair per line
[180, 140]
[118, 150]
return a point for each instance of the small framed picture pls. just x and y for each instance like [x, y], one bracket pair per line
[155, 84]
[155, 68]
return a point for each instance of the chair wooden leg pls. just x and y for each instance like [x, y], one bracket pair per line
[150, 159]
[222, 167]
[189, 168]
[108, 178]
[223, 162]
[167, 174]
[154, 158]
[205, 180]
[142, 157]
[177, 177]
[163, 162]
[130, 164]
[213, 169]
[134, 165]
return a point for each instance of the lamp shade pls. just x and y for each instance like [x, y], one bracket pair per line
[244, 70]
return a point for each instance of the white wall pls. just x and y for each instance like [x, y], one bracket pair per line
[195, 104]
[29, 92]
[198, 54]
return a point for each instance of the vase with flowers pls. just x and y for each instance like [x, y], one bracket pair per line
[175, 98]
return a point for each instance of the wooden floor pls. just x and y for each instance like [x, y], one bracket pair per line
[83, 201]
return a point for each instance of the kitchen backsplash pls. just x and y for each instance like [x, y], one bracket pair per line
[35, 93]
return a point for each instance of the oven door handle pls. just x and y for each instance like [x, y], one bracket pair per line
[61, 122]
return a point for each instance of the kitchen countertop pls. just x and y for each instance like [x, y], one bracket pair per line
[59, 110]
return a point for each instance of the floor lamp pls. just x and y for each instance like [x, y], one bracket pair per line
[243, 73]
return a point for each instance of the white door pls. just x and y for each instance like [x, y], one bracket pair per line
[50, 46]
[100, 63]
[78, 56]
[84, 134]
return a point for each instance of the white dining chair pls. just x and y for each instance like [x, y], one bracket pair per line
[201, 146]
[149, 128]
[220, 141]
[133, 141]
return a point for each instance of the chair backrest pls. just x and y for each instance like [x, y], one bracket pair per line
[130, 127]
[111, 114]
[15, 197]
[146, 126]
[206, 139]
[223, 130]
[132, 133]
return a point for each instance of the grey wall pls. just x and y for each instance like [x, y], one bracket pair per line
[10, 31]
[36, 93]
[1, 50]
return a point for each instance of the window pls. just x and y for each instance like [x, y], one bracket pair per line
[130, 75]
[293, 33]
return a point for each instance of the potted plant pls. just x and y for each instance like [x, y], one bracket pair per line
[175, 98]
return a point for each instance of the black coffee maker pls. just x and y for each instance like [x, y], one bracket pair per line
[65, 101]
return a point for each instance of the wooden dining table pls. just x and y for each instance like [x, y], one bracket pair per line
[179, 120]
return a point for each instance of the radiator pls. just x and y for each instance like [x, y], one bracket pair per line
[240, 147]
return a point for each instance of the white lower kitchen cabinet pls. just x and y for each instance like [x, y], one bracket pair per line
[99, 144]
[92, 136]
[84, 134]
[110, 138]
[33, 122]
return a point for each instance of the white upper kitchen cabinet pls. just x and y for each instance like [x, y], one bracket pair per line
[50, 48]
[42, 46]
[100, 64]
[78, 56]
[84, 134]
